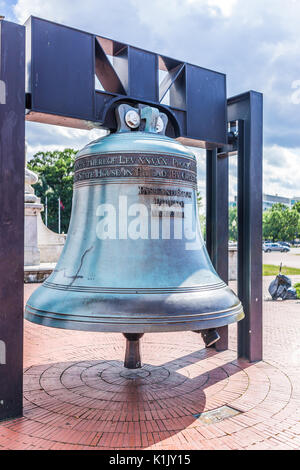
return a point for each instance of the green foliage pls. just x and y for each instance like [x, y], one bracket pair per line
[278, 206]
[203, 225]
[232, 217]
[199, 199]
[55, 171]
[272, 270]
[297, 287]
[292, 221]
[233, 227]
[296, 207]
[280, 223]
[202, 217]
[273, 222]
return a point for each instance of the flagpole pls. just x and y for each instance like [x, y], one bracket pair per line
[59, 215]
[46, 211]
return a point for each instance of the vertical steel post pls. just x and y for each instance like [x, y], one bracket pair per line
[211, 205]
[12, 162]
[248, 112]
[222, 235]
[217, 222]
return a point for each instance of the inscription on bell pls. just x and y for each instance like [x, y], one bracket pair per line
[135, 166]
[135, 172]
[164, 192]
[171, 214]
[134, 159]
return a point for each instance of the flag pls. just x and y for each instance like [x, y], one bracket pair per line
[61, 205]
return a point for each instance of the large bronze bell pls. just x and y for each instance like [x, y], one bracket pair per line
[134, 260]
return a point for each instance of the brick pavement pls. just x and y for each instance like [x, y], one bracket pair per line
[77, 395]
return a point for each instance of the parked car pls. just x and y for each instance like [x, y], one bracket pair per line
[268, 247]
[285, 244]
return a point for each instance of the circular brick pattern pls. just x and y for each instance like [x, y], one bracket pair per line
[97, 403]
[115, 374]
[67, 404]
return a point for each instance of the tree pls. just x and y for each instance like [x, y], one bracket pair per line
[272, 224]
[292, 221]
[233, 227]
[279, 206]
[203, 225]
[296, 207]
[55, 171]
[280, 223]
[199, 200]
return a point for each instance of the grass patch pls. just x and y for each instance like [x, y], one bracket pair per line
[272, 270]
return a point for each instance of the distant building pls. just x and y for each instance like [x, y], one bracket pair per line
[294, 200]
[269, 200]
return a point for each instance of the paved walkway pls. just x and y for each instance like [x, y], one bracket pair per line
[290, 259]
[77, 395]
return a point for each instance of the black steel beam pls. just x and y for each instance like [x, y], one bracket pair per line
[222, 236]
[211, 205]
[61, 67]
[12, 153]
[217, 222]
[247, 109]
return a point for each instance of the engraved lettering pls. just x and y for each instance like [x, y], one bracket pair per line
[137, 166]
[168, 202]
[164, 192]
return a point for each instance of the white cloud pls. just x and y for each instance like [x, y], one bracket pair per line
[256, 43]
[281, 171]
[226, 7]
[42, 137]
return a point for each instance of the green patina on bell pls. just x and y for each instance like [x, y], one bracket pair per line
[134, 259]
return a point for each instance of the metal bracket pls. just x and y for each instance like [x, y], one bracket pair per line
[141, 118]
[232, 139]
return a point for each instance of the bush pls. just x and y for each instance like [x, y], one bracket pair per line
[297, 287]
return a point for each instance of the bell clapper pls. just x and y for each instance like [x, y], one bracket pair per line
[132, 354]
[210, 337]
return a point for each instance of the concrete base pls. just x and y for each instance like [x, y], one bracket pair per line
[50, 244]
[37, 274]
[31, 250]
[41, 245]
[232, 263]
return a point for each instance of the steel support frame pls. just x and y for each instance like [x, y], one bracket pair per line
[61, 65]
[217, 222]
[12, 162]
[247, 110]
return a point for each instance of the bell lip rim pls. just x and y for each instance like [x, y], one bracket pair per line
[139, 318]
[161, 327]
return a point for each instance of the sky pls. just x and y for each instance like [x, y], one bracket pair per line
[255, 43]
